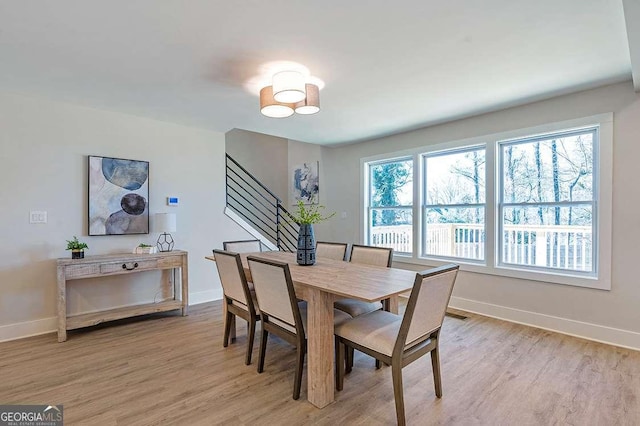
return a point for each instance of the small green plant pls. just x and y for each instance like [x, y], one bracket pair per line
[143, 245]
[309, 214]
[76, 245]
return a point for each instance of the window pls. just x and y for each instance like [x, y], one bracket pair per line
[547, 203]
[531, 203]
[454, 208]
[390, 211]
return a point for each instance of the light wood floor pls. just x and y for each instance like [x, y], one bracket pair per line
[174, 370]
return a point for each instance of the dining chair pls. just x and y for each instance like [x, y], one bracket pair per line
[367, 255]
[243, 246]
[335, 251]
[400, 340]
[239, 299]
[371, 255]
[282, 314]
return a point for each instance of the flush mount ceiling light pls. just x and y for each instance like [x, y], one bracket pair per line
[290, 92]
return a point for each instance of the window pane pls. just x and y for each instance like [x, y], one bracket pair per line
[457, 178]
[392, 228]
[391, 184]
[455, 232]
[552, 170]
[550, 237]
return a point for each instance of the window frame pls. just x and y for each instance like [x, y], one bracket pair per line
[424, 206]
[369, 209]
[502, 204]
[603, 188]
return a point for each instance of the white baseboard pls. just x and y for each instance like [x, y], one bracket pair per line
[28, 328]
[204, 296]
[599, 333]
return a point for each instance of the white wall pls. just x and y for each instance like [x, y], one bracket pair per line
[612, 316]
[264, 156]
[43, 154]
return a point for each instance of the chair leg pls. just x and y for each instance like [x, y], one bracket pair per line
[349, 358]
[378, 364]
[340, 360]
[297, 384]
[435, 365]
[396, 373]
[227, 329]
[232, 328]
[251, 334]
[263, 350]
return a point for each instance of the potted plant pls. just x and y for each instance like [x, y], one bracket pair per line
[306, 216]
[77, 248]
[144, 249]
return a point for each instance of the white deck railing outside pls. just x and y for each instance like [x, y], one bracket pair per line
[553, 246]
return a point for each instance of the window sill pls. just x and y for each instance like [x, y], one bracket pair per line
[601, 283]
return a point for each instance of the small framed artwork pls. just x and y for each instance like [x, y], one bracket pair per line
[118, 196]
[306, 183]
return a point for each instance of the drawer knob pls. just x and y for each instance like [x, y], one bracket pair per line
[124, 266]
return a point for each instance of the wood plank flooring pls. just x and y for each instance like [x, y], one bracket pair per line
[173, 370]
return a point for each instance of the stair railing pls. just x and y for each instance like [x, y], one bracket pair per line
[259, 206]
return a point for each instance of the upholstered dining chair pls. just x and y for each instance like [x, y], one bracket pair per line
[371, 255]
[240, 300]
[243, 246]
[282, 314]
[367, 255]
[400, 340]
[335, 251]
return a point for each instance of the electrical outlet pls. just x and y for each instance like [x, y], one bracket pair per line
[36, 216]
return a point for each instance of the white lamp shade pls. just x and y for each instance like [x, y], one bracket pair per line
[165, 222]
[270, 107]
[288, 87]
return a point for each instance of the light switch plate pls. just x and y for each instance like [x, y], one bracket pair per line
[37, 216]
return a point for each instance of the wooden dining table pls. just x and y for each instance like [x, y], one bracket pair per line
[322, 284]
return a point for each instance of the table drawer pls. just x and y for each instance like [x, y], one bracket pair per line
[170, 262]
[137, 265]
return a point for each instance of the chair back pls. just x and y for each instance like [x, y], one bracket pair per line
[335, 251]
[427, 305]
[244, 246]
[232, 278]
[370, 255]
[275, 293]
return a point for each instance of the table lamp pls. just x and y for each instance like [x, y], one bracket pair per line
[165, 223]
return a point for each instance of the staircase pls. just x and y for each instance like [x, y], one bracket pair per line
[258, 210]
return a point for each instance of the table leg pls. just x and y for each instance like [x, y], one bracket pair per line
[62, 305]
[320, 375]
[185, 285]
[393, 304]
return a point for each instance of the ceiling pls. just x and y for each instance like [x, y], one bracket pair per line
[388, 66]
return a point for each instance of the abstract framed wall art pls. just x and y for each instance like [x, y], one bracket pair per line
[306, 183]
[118, 196]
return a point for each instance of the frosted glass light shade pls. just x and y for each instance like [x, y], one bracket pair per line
[272, 108]
[165, 222]
[311, 104]
[288, 86]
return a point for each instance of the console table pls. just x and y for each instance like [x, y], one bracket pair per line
[119, 264]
